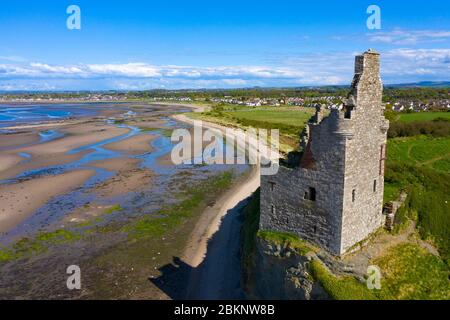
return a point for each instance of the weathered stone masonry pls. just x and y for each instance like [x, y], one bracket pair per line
[333, 196]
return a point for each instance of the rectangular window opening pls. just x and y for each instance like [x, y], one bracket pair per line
[374, 185]
[353, 195]
[310, 194]
[348, 112]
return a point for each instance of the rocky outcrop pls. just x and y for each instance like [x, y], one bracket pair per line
[279, 272]
[391, 208]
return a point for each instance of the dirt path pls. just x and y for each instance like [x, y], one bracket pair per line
[213, 250]
[211, 220]
[216, 262]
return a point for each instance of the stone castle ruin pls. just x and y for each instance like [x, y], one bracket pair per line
[332, 195]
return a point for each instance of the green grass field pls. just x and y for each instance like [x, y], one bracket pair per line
[294, 117]
[421, 165]
[409, 272]
[422, 151]
[289, 120]
[422, 116]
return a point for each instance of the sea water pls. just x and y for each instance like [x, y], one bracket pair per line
[21, 114]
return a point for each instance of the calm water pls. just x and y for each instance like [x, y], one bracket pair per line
[20, 114]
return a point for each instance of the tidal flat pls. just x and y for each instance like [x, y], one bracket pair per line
[88, 189]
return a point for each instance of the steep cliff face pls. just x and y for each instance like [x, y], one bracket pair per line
[279, 272]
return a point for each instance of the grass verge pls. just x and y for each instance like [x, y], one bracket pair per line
[409, 272]
[288, 240]
[340, 288]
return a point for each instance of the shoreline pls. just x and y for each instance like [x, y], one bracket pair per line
[211, 219]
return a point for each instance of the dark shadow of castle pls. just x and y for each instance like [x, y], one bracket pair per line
[218, 276]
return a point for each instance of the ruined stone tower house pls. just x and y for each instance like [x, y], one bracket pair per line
[333, 195]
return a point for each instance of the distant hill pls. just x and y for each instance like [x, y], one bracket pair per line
[429, 84]
[232, 91]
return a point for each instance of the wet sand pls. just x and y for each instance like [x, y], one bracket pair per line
[8, 161]
[18, 139]
[21, 200]
[14, 205]
[128, 177]
[148, 124]
[76, 136]
[39, 161]
[54, 152]
[116, 164]
[196, 152]
[125, 182]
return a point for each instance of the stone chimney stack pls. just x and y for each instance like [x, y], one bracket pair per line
[367, 89]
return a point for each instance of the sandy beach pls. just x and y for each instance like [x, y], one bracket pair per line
[8, 161]
[54, 152]
[76, 136]
[21, 200]
[166, 160]
[40, 161]
[128, 177]
[211, 219]
[17, 139]
[135, 145]
[120, 164]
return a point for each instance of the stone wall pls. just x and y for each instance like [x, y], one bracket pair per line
[365, 149]
[342, 165]
[283, 203]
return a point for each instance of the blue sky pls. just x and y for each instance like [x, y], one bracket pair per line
[134, 45]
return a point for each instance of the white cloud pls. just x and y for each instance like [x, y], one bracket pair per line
[143, 70]
[138, 70]
[418, 62]
[409, 37]
[332, 68]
